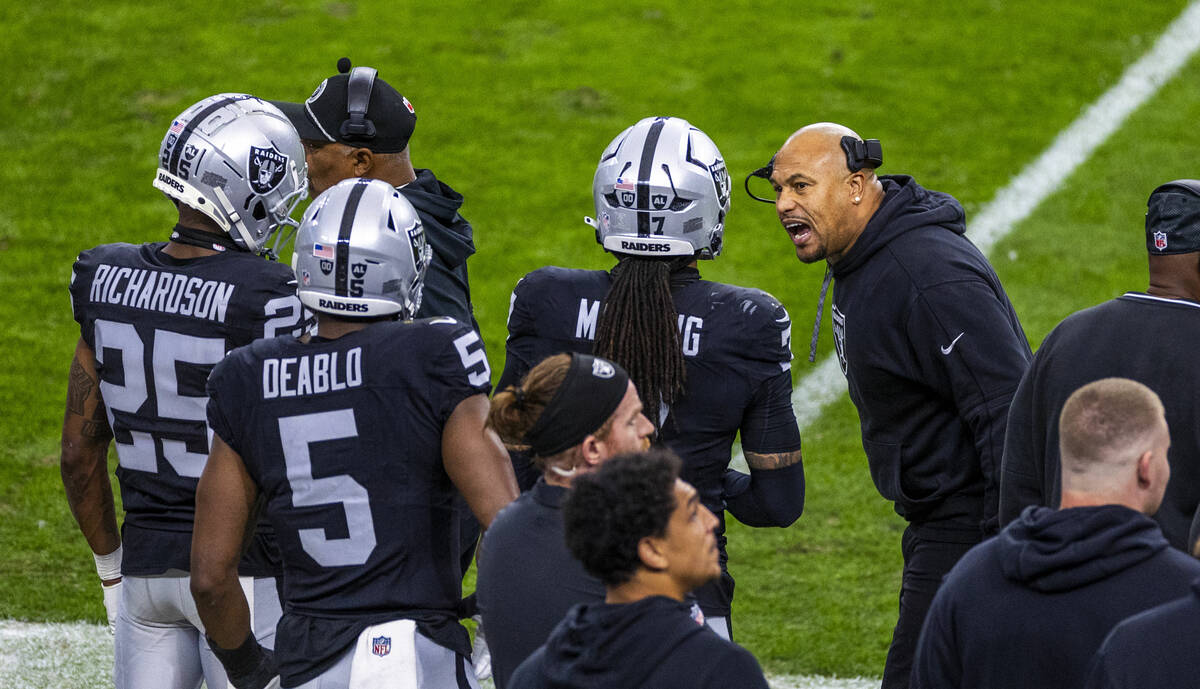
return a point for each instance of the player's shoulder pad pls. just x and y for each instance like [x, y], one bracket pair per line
[762, 324]
[557, 276]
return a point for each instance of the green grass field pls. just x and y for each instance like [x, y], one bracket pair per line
[515, 102]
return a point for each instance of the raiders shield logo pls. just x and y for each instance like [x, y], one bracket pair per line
[326, 266]
[659, 201]
[839, 337]
[358, 269]
[267, 167]
[628, 198]
[602, 369]
[720, 177]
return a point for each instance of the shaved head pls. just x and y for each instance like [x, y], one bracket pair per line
[821, 203]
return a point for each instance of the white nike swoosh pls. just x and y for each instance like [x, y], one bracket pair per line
[950, 347]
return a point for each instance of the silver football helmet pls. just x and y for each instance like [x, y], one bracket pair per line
[239, 161]
[361, 252]
[661, 189]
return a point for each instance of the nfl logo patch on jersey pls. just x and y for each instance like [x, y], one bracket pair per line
[381, 645]
[1160, 240]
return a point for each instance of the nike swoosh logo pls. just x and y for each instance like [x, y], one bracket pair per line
[950, 347]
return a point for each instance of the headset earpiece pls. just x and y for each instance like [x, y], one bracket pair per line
[358, 97]
[860, 153]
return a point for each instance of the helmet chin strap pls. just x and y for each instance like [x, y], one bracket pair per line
[202, 239]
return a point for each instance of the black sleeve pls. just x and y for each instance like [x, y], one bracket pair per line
[737, 668]
[459, 366]
[224, 399]
[82, 274]
[937, 663]
[518, 354]
[769, 422]
[979, 372]
[1020, 474]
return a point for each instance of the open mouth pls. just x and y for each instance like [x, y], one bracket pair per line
[798, 230]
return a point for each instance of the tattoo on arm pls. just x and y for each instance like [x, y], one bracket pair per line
[776, 460]
[79, 387]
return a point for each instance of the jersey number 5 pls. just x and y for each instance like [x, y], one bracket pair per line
[296, 433]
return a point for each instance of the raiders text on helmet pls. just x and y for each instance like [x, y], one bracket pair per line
[361, 252]
[239, 161]
[661, 189]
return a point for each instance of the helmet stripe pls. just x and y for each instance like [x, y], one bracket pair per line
[341, 276]
[644, 171]
[177, 152]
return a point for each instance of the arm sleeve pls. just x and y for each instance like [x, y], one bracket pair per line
[223, 394]
[969, 347]
[737, 668]
[765, 497]
[937, 663]
[1020, 477]
[517, 352]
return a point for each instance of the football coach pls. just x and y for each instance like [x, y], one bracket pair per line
[930, 345]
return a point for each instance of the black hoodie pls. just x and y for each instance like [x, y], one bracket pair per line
[1030, 607]
[1155, 649]
[932, 351]
[653, 642]
[447, 292]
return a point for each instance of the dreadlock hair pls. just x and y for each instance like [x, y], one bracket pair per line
[516, 409]
[639, 329]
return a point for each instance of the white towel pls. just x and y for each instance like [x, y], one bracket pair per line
[385, 657]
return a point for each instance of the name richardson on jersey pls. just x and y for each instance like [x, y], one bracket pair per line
[157, 290]
[311, 374]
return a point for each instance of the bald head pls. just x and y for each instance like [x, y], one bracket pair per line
[1113, 439]
[822, 204]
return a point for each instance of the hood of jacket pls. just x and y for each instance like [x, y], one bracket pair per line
[906, 206]
[447, 232]
[1052, 550]
[608, 646]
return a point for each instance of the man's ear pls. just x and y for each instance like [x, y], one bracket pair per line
[1145, 475]
[857, 184]
[651, 554]
[363, 160]
[591, 451]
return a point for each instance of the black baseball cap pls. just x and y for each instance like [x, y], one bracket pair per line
[336, 111]
[1173, 218]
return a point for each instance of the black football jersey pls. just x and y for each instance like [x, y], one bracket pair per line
[737, 350]
[344, 439]
[158, 325]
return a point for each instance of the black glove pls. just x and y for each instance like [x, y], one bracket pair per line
[249, 666]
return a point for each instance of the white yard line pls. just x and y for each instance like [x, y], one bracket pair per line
[1017, 200]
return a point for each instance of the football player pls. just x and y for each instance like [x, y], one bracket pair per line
[354, 441]
[154, 319]
[708, 359]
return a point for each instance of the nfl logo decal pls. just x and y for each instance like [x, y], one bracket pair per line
[839, 337]
[381, 645]
[266, 168]
[1160, 240]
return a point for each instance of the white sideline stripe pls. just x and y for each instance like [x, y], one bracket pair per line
[80, 655]
[1017, 200]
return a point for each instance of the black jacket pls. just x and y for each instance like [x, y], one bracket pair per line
[1030, 607]
[653, 643]
[932, 351]
[447, 291]
[527, 578]
[1149, 339]
[1155, 649]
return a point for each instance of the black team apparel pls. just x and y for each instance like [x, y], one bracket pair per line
[447, 291]
[343, 438]
[1155, 649]
[1030, 607]
[737, 349]
[1145, 338]
[653, 642]
[932, 351]
[527, 578]
[158, 325]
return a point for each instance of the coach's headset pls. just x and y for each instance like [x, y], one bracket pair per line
[358, 96]
[859, 154]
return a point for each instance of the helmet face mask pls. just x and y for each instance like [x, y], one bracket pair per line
[239, 161]
[661, 189]
[361, 252]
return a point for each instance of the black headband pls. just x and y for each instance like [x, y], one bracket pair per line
[590, 393]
